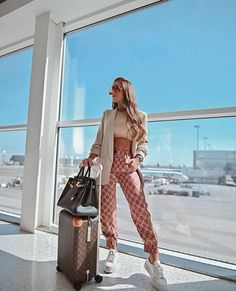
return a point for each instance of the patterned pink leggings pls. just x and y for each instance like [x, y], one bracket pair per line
[130, 184]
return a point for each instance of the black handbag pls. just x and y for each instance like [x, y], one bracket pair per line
[80, 196]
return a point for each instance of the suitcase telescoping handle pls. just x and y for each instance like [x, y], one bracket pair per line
[97, 172]
[89, 229]
[87, 274]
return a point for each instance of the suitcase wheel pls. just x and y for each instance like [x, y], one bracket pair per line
[77, 286]
[59, 269]
[98, 279]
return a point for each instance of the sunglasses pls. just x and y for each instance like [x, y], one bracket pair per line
[115, 88]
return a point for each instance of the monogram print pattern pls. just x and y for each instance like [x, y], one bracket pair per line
[75, 254]
[130, 184]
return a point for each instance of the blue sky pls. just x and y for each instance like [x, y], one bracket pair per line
[179, 55]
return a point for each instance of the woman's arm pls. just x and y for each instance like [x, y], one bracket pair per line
[96, 147]
[141, 151]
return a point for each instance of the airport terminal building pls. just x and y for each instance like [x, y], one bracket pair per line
[213, 159]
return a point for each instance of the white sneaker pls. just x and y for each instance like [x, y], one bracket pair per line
[111, 261]
[158, 280]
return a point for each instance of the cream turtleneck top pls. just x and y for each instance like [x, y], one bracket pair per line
[121, 128]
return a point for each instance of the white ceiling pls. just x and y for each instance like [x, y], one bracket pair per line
[18, 22]
[6, 6]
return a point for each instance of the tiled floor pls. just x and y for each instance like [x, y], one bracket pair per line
[28, 263]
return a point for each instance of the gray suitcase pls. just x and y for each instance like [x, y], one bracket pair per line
[78, 247]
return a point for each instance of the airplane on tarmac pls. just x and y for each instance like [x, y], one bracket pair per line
[151, 174]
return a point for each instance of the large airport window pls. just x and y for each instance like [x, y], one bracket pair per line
[190, 184]
[15, 74]
[180, 56]
[12, 145]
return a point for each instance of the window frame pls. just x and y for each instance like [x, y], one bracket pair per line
[186, 261]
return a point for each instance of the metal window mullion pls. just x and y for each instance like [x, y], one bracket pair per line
[107, 13]
[80, 122]
[193, 114]
[165, 116]
[13, 127]
[17, 46]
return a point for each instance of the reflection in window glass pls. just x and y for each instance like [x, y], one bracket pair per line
[12, 153]
[15, 73]
[191, 194]
[179, 56]
[74, 145]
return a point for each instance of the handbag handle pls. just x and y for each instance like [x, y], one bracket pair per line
[81, 173]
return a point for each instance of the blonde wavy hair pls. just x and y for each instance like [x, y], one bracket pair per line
[135, 119]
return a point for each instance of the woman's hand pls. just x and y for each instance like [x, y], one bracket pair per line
[134, 163]
[88, 161]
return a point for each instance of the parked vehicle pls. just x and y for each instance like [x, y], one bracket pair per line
[16, 182]
[227, 180]
[196, 194]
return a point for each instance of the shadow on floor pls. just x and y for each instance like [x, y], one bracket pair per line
[142, 282]
[19, 274]
[7, 228]
[9, 218]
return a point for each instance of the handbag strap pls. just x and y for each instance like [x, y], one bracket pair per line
[88, 172]
[81, 172]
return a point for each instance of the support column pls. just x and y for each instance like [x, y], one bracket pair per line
[39, 168]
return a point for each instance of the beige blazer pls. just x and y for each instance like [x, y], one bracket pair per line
[103, 145]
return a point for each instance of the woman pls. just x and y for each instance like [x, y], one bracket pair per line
[120, 146]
